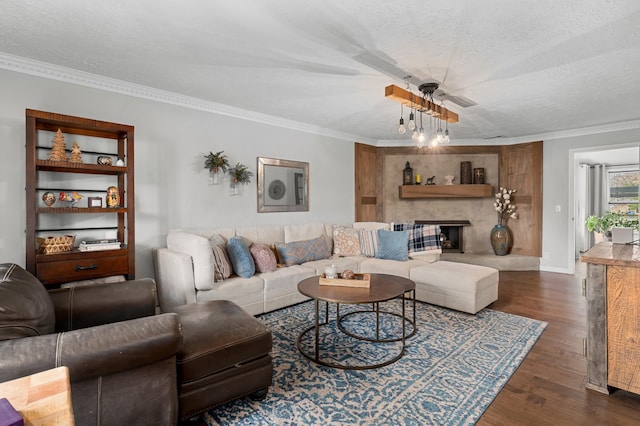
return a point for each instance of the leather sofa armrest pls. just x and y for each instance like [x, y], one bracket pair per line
[96, 304]
[94, 351]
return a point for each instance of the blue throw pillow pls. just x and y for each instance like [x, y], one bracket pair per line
[393, 245]
[240, 257]
[299, 252]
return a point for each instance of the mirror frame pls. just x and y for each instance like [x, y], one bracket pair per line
[263, 186]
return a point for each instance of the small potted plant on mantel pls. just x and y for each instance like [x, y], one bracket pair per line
[216, 163]
[239, 175]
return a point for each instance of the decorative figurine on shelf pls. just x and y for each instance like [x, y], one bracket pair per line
[450, 179]
[430, 181]
[49, 198]
[104, 160]
[58, 152]
[407, 175]
[113, 197]
[71, 197]
[76, 154]
[120, 162]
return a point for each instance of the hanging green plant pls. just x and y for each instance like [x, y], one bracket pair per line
[216, 162]
[240, 174]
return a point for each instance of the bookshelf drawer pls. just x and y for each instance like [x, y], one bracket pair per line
[82, 268]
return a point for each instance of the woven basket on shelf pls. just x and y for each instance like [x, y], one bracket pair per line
[56, 244]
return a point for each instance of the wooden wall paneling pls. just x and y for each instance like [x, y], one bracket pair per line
[521, 169]
[366, 182]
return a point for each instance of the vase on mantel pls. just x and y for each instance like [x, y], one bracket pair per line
[500, 239]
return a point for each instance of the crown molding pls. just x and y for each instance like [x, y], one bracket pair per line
[68, 75]
[562, 134]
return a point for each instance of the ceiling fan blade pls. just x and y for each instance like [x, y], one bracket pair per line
[376, 61]
[458, 100]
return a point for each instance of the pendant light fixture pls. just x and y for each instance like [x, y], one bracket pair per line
[423, 105]
[401, 128]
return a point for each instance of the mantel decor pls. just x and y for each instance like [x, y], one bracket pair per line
[216, 163]
[500, 234]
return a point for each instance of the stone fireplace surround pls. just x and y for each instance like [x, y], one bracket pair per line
[478, 211]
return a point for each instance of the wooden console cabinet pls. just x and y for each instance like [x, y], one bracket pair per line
[98, 138]
[613, 317]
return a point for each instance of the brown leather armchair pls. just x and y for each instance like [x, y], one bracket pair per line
[121, 356]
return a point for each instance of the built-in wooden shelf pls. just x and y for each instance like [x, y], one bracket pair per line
[446, 191]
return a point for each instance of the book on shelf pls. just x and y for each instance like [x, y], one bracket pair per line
[96, 245]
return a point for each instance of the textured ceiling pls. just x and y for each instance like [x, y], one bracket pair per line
[532, 67]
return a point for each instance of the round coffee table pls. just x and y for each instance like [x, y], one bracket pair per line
[382, 288]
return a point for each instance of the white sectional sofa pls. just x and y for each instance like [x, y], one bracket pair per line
[185, 271]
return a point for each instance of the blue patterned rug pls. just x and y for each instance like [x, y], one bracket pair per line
[452, 369]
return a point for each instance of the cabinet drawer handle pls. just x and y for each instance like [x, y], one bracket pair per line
[86, 268]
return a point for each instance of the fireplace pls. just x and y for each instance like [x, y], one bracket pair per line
[451, 233]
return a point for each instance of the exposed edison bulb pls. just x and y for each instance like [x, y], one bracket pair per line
[401, 128]
[446, 136]
[439, 135]
[421, 137]
[414, 136]
[412, 121]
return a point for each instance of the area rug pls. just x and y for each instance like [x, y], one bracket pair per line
[452, 369]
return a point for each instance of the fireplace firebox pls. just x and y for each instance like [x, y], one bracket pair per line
[451, 233]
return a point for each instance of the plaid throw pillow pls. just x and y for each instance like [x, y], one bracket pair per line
[421, 237]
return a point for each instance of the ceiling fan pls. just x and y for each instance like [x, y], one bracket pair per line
[430, 88]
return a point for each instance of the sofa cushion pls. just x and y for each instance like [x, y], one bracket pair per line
[421, 237]
[199, 248]
[371, 226]
[346, 241]
[392, 245]
[263, 257]
[26, 309]
[298, 252]
[304, 232]
[221, 263]
[341, 264]
[261, 234]
[368, 242]
[390, 267]
[240, 257]
[426, 256]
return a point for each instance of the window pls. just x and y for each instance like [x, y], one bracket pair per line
[623, 188]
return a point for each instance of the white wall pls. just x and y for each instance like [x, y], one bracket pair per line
[172, 189]
[558, 242]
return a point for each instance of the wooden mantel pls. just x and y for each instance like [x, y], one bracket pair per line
[446, 191]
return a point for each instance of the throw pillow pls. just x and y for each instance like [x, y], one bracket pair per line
[298, 252]
[263, 257]
[346, 242]
[240, 257]
[221, 263]
[392, 245]
[421, 237]
[368, 242]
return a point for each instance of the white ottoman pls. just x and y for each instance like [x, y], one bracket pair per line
[460, 286]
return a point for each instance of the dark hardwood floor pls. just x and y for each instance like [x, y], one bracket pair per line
[549, 386]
